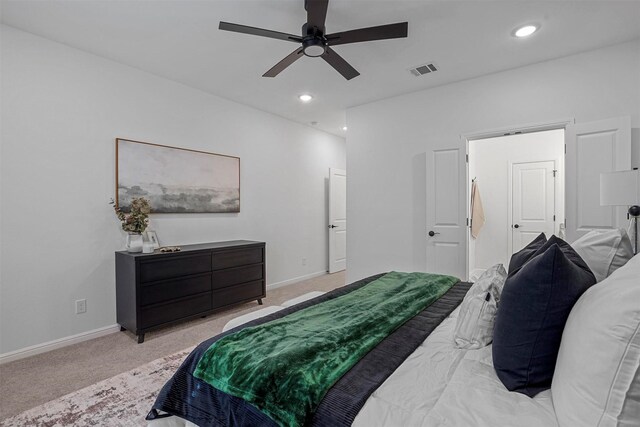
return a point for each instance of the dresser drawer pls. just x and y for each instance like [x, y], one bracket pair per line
[246, 291]
[155, 292]
[235, 258]
[167, 268]
[234, 276]
[163, 313]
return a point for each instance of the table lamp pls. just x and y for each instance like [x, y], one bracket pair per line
[623, 189]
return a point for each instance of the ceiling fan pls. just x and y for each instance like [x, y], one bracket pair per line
[316, 43]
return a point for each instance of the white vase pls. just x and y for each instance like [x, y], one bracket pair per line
[134, 242]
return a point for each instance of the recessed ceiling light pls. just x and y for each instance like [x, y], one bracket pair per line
[305, 97]
[525, 31]
[344, 128]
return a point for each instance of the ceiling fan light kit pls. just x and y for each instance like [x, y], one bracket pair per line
[315, 43]
[313, 47]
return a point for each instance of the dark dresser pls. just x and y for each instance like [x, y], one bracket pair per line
[154, 290]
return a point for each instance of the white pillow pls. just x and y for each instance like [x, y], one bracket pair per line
[474, 328]
[246, 318]
[302, 298]
[604, 251]
[596, 381]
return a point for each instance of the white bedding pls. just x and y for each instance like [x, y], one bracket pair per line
[440, 385]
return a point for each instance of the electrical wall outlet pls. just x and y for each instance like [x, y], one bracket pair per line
[304, 261]
[81, 306]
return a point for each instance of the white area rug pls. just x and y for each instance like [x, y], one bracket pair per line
[123, 400]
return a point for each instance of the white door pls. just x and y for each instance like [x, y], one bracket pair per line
[337, 220]
[446, 212]
[532, 202]
[594, 148]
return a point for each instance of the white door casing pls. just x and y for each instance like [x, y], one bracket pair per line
[446, 212]
[337, 220]
[591, 149]
[531, 202]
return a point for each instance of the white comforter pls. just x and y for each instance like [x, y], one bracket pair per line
[440, 385]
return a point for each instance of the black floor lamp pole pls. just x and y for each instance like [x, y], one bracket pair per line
[634, 212]
[635, 234]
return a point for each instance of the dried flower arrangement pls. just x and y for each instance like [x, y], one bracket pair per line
[137, 220]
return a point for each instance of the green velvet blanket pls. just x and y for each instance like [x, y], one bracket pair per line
[286, 366]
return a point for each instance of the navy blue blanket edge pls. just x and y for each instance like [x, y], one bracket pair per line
[197, 401]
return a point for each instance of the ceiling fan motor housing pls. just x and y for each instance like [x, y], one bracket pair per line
[313, 41]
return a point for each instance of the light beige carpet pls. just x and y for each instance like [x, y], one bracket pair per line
[31, 382]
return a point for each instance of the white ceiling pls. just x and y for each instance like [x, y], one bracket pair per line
[179, 40]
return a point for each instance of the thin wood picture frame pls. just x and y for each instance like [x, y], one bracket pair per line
[175, 179]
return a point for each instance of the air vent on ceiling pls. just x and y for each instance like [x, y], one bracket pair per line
[421, 70]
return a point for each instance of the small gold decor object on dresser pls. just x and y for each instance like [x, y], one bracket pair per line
[160, 288]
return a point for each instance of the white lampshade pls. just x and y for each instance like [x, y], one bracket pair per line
[620, 188]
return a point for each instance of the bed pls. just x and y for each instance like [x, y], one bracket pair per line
[434, 384]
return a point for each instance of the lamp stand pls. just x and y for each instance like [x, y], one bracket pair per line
[634, 213]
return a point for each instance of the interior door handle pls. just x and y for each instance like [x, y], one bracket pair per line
[333, 226]
[516, 226]
[433, 233]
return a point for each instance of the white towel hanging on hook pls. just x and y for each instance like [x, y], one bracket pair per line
[477, 212]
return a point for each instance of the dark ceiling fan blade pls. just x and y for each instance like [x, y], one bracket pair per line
[316, 13]
[280, 66]
[237, 28]
[337, 62]
[381, 32]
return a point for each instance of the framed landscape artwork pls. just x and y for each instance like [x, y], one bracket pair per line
[176, 180]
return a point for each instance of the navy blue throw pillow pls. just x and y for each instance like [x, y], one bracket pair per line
[553, 240]
[534, 307]
[566, 249]
[521, 257]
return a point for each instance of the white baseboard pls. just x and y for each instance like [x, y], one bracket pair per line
[296, 279]
[59, 343]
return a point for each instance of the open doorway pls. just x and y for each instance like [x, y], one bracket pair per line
[519, 186]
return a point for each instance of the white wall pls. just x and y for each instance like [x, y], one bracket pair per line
[61, 110]
[388, 139]
[490, 161]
